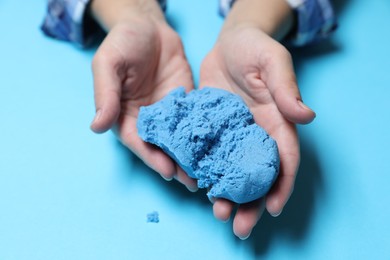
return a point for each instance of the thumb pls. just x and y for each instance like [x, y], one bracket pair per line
[107, 88]
[290, 104]
[284, 90]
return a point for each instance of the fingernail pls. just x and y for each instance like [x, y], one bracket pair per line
[276, 214]
[97, 116]
[166, 178]
[304, 106]
[245, 238]
[226, 220]
[192, 189]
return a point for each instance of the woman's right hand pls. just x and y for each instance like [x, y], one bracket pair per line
[138, 63]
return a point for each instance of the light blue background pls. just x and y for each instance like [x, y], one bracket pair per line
[66, 193]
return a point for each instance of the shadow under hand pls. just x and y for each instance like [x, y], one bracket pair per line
[293, 224]
[340, 5]
[302, 56]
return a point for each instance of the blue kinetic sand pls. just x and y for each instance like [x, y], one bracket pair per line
[212, 135]
[152, 217]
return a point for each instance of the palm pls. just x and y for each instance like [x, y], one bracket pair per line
[147, 61]
[256, 95]
[241, 63]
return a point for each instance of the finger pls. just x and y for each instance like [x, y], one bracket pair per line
[281, 81]
[183, 178]
[154, 157]
[222, 209]
[107, 88]
[279, 195]
[289, 163]
[247, 217]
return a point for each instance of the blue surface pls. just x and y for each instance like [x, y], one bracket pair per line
[66, 193]
[212, 135]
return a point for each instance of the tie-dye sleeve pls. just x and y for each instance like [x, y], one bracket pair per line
[68, 20]
[315, 20]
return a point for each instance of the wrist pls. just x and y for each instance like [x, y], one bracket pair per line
[109, 13]
[275, 18]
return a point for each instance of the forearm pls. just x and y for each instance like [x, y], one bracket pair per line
[274, 17]
[110, 12]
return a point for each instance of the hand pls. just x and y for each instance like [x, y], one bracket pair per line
[248, 62]
[138, 63]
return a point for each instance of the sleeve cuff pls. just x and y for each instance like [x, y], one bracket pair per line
[225, 6]
[64, 20]
[67, 20]
[315, 20]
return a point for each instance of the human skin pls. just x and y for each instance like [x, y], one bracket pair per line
[248, 60]
[139, 62]
[142, 59]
